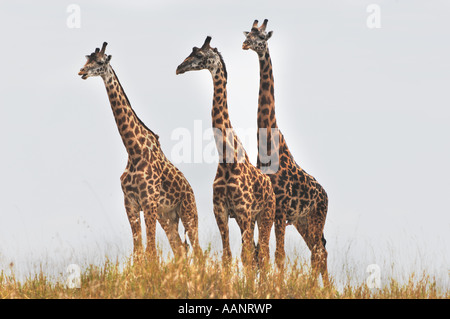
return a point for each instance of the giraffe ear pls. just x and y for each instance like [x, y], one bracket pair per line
[246, 33]
[269, 34]
[108, 58]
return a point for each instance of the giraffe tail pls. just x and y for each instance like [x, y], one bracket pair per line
[185, 243]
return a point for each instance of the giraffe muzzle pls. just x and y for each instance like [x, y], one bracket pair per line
[181, 69]
[245, 46]
[83, 74]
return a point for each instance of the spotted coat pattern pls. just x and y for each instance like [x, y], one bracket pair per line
[150, 182]
[300, 200]
[240, 190]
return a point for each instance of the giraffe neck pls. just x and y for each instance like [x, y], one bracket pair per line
[266, 100]
[132, 130]
[267, 120]
[229, 147]
[219, 113]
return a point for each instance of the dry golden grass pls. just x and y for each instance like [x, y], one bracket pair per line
[206, 277]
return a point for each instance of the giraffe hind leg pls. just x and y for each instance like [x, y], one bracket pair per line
[189, 218]
[311, 229]
[169, 223]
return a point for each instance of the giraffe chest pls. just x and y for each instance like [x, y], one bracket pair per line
[240, 190]
[139, 183]
[133, 183]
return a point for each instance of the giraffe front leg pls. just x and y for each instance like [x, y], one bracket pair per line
[246, 225]
[133, 214]
[280, 230]
[150, 216]
[265, 223]
[221, 214]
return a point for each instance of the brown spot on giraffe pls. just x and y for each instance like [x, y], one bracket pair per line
[240, 190]
[150, 182]
[300, 200]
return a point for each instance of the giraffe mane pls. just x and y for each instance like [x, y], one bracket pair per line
[223, 64]
[128, 101]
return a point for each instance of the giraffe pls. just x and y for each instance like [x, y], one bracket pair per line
[150, 182]
[240, 190]
[300, 200]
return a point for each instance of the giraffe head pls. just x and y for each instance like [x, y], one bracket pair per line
[97, 63]
[257, 38]
[202, 58]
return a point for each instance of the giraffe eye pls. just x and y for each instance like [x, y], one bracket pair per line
[261, 37]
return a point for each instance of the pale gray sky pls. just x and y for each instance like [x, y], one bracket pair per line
[365, 111]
